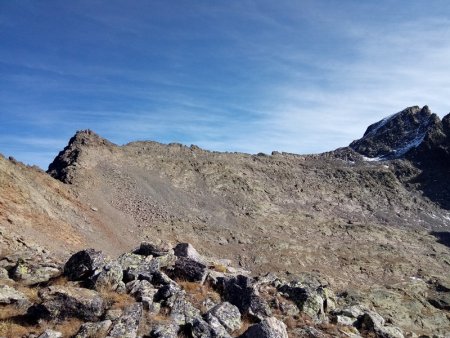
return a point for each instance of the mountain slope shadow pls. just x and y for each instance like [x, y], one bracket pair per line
[442, 237]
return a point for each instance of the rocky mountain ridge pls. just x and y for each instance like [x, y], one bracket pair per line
[376, 228]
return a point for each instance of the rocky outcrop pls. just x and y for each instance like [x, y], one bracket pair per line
[60, 302]
[67, 160]
[146, 307]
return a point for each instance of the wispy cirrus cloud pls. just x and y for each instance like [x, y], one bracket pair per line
[247, 76]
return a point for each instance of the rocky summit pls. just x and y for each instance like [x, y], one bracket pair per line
[352, 242]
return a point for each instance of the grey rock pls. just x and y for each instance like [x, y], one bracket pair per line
[140, 289]
[3, 274]
[147, 249]
[166, 261]
[113, 314]
[128, 323]
[51, 334]
[9, 295]
[217, 329]
[190, 270]
[145, 271]
[130, 260]
[188, 251]
[228, 315]
[310, 296]
[211, 328]
[66, 301]
[167, 293]
[84, 264]
[169, 330]
[311, 332]
[373, 322]
[31, 273]
[182, 312]
[200, 329]
[268, 328]
[109, 278]
[239, 291]
[94, 330]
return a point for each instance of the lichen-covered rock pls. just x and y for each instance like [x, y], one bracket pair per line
[228, 315]
[128, 323]
[211, 328]
[9, 295]
[167, 330]
[84, 264]
[94, 330]
[217, 329]
[310, 296]
[190, 270]
[268, 328]
[4, 274]
[140, 289]
[66, 301]
[32, 273]
[51, 334]
[373, 322]
[109, 278]
[144, 271]
[182, 312]
[130, 260]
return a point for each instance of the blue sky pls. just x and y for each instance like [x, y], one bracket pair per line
[251, 76]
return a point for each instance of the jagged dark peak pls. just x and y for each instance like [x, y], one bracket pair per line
[396, 135]
[62, 166]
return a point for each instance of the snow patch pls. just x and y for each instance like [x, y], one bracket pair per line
[372, 159]
[381, 124]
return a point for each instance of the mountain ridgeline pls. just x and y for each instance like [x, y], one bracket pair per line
[371, 218]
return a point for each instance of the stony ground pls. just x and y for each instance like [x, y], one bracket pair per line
[157, 291]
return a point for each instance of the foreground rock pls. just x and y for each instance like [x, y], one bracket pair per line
[138, 298]
[268, 328]
[61, 302]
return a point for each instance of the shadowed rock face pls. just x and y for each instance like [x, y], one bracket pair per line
[397, 134]
[417, 135]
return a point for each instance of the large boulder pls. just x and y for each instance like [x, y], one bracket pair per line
[144, 271]
[228, 315]
[311, 295]
[109, 278]
[268, 328]
[94, 329]
[190, 270]
[188, 251]
[60, 302]
[211, 328]
[84, 264]
[240, 291]
[32, 273]
[127, 325]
